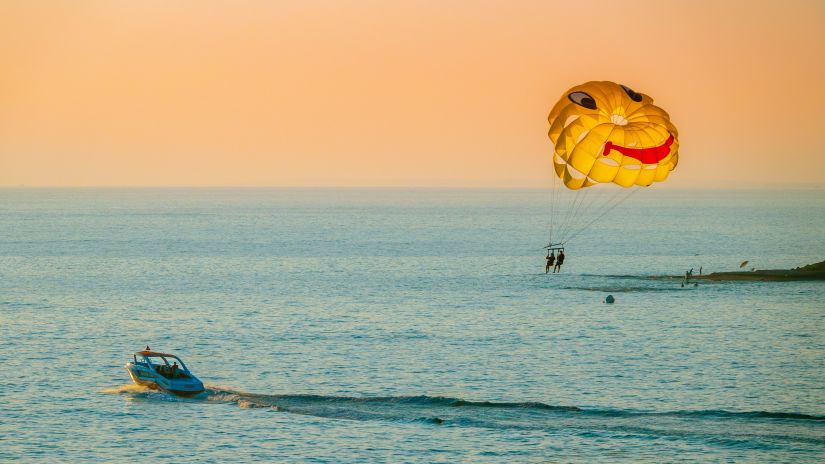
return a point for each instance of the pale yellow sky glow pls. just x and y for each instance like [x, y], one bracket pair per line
[417, 93]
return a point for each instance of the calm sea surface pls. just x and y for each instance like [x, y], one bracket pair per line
[408, 326]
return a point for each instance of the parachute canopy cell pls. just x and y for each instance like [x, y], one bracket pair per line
[605, 132]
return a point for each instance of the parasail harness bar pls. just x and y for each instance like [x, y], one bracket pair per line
[554, 247]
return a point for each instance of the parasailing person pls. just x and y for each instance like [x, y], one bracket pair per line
[551, 258]
[559, 262]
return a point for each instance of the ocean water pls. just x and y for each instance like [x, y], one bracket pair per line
[408, 326]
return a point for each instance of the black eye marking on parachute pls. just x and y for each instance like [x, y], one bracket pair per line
[637, 97]
[582, 99]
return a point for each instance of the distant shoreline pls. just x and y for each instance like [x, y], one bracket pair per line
[810, 272]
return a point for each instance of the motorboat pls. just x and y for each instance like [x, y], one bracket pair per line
[163, 371]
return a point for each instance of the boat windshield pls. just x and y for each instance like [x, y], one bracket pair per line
[168, 366]
[157, 360]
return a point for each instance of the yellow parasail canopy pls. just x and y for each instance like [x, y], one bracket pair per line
[605, 132]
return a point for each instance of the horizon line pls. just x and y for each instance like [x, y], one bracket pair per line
[710, 186]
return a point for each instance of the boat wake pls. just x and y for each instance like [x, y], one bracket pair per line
[763, 428]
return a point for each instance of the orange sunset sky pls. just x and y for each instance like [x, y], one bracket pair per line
[395, 93]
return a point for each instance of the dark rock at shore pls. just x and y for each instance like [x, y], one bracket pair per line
[812, 267]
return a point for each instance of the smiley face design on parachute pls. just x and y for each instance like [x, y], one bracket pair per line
[605, 132]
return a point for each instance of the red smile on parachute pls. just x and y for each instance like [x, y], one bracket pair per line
[650, 155]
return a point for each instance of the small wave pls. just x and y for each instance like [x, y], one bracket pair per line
[751, 415]
[628, 289]
[663, 278]
[618, 276]
[454, 402]
[401, 401]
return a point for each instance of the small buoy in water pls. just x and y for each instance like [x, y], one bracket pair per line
[609, 299]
